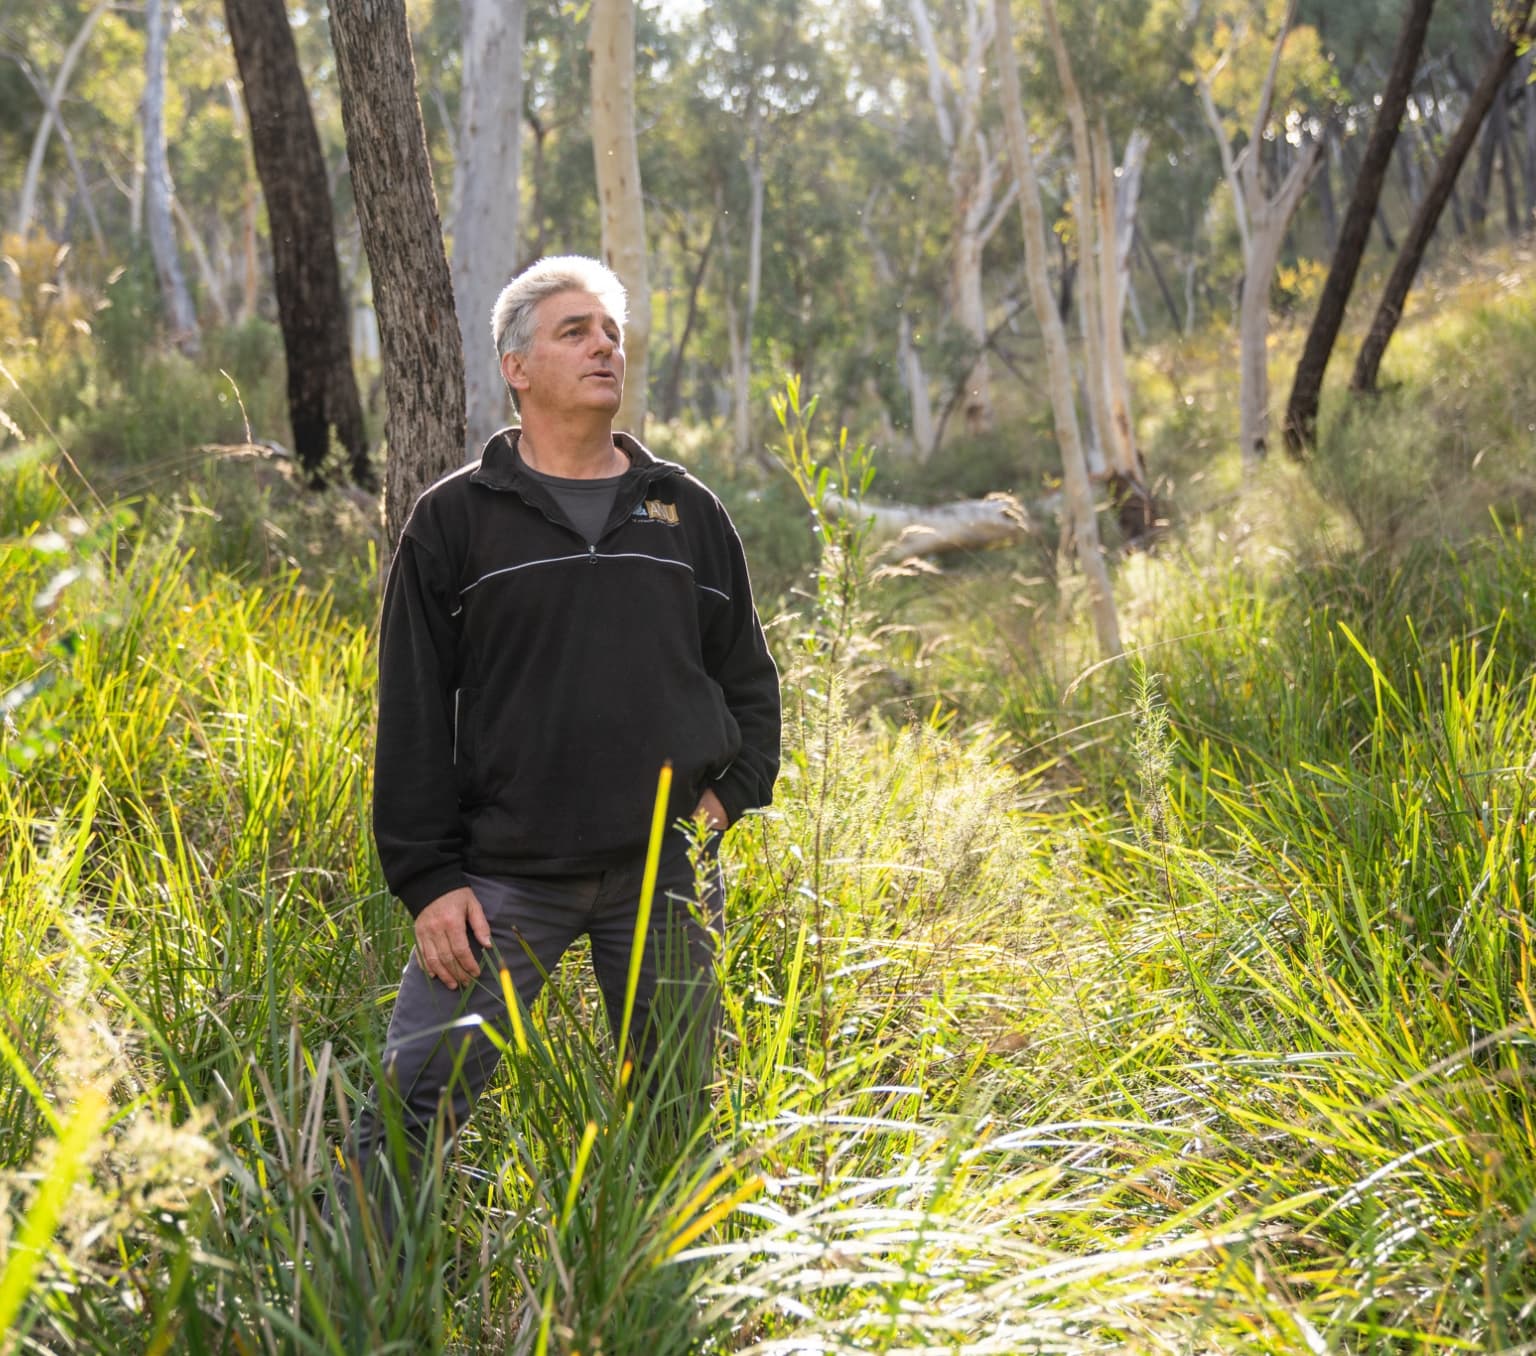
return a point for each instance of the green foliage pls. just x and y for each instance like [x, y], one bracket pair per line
[769, 513]
[1453, 430]
[1170, 1004]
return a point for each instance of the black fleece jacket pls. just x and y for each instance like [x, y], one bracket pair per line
[532, 683]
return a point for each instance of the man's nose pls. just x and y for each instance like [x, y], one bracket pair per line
[604, 342]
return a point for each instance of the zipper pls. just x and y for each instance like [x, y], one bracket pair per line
[592, 553]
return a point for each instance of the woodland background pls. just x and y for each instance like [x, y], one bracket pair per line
[1137, 955]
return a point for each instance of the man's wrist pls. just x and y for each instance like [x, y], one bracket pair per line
[420, 891]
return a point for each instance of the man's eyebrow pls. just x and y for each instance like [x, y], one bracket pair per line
[581, 318]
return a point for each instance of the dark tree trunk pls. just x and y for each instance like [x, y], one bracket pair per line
[322, 387]
[1352, 172]
[1390, 308]
[402, 233]
[1301, 410]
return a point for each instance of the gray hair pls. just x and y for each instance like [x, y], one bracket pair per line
[512, 316]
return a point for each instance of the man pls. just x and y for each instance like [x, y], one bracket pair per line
[561, 618]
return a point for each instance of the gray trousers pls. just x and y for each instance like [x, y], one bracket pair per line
[433, 1060]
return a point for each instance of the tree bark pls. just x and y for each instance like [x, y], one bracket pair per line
[1306, 388]
[1349, 161]
[486, 209]
[1116, 212]
[1090, 245]
[612, 44]
[317, 341]
[158, 190]
[397, 211]
[1390, 309]
[1078, 490]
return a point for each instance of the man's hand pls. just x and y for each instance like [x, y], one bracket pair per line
[712, 812]
[442, 937]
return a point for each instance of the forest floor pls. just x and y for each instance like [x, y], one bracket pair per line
[1179, 1003]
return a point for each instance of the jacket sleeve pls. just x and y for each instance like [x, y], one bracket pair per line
[736, 656]
[416, 821]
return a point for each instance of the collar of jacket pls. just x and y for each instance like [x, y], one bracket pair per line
[501, 468]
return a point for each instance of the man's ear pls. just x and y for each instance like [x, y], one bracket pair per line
[513, 371]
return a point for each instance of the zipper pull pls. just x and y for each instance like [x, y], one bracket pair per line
[592, 554]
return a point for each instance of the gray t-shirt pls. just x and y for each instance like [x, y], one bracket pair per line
[587, 503]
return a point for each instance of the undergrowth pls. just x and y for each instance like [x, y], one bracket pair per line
[1180, 1004]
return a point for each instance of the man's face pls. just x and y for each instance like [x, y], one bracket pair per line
[576, 359]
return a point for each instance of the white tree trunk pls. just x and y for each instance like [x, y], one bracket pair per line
[1075, 483]
[973, 184]
[52, 95]
[485, 207]
[612, 45]
[1127, 201]
[1090, 272]
[1262, 221]
[1269, 219]
[924, 431]
[1117, 383]
[158, 190]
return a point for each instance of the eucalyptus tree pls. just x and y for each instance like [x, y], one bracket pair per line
[486, 206]
[51, 89]
[1301, 409]
[1263, 213]
[1515, 25]
[1104, 211]
[981, 188]
[1074, 466]
[616, 162]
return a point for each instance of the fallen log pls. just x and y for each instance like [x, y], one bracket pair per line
[903, 530]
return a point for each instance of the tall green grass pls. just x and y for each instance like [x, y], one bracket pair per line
[1186, 1009]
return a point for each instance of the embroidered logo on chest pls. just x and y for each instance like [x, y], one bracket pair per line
[655, 511]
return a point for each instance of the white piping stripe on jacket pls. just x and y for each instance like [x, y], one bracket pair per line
[604, 555]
